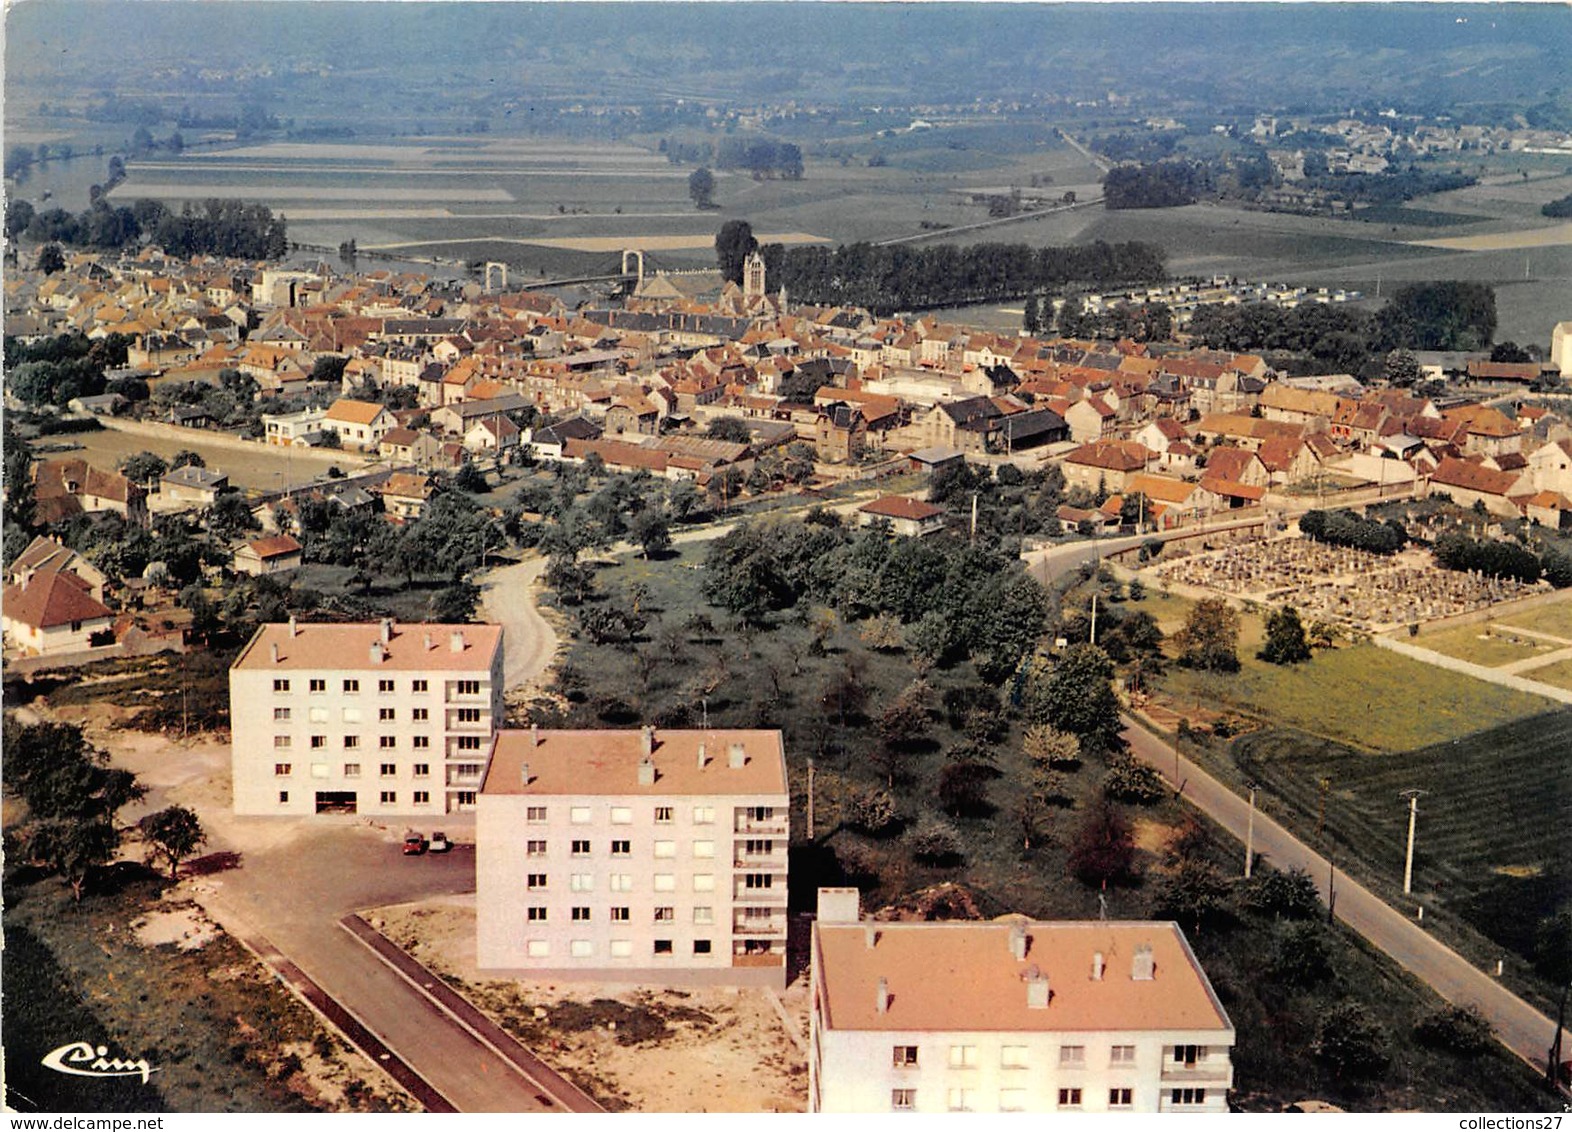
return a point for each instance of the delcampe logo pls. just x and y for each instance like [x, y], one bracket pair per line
[83, 1059]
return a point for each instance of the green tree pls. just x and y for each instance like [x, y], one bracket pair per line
[701, 188]
[1285, 638]
[1287, 895]
[172, 835]
[1400, 368]
[1209, 639]
[1194, 895]
[1350, 1042]
[651, 531]
[1301, 955]
[935, 842]
[51, 259]
[1076, 696]
[143, 468]
[187, 458]
[732, 429]
[1103, 849]
[1048, 747]
[733, 244]
[963, 787]
[455, 603]
[870, 811]
[1457, 1029]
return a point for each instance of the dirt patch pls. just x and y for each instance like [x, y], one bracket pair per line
[632, 1048]
[186, 928]
[1152, 836]
[1557, 235]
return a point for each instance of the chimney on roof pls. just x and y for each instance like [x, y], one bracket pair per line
[704, 758]
[1036, 990]
[456, 641]
[870, 936]
[387, 629]
[736, 756]
[646, 771]
[1097, 966]
[429, 642]
[647, 739]
[534, 735]
[1142, 966]
[376, 652]
[523, 774]
[881, 998]
[1018, 941]
[294, 629]
[274, 650]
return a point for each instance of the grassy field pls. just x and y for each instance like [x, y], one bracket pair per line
[1555, 619]
[1559, 674]
[1481, 645]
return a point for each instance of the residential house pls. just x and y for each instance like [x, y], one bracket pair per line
[189, 487]
[55, 612]
[910, 518]
[404, 495]
[272, 555]
[407, 446]
[1468, 483]
[1106, 465]
[67, 487]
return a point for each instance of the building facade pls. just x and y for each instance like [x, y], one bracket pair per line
[1011, 1016]
[373, 718]
[634, 856]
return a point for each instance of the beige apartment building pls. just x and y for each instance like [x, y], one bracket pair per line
[637, 856]
[1011, 1016]
[373, 718]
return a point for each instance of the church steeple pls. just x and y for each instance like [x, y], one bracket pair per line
[753, 277]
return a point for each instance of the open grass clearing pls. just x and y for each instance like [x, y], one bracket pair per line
[1483, 644]
[255, 192]
[1555, 235]
[1558, 673]
[1555, 619]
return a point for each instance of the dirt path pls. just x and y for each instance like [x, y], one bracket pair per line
[507, 597]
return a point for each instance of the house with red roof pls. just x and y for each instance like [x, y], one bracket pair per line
[271, 555]
[911, 518]
[54, 612]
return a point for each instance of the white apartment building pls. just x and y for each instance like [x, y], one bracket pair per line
[634, 856]
[1011, 1016]
[372, 718]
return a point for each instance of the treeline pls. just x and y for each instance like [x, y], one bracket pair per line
[902, 277]
[1558, 209]
[1420, 316]
[54, 370]
[220, 227]
[1162, 184]
[1344, 528]
[1390, 187]
[1502, 560]
[953, 598]
[763, 157]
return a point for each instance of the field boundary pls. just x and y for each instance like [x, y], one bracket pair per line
[209, 438]
[1477, 671]
[1495, 612]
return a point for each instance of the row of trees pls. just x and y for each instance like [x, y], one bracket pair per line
[1344, 528]
[761, 156]
[1162, 184]
[1496, 559]
[220, 227]
[905, 277]
[54, 370]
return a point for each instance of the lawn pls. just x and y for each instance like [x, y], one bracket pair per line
[1555, 619]
[1558, 674]
[1479, 644]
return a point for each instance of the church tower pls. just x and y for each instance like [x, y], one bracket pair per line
[753, 278]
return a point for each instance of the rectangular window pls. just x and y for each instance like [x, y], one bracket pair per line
[665, 915]
[961, 1100]
[665, 882]
[317, 715]
[701, 947]
[384, 686]
[538, 948]
[1189, 1055]
[417, 686]
[387, 714]
[280, 742]
[663, 947]
[757, 847]
[469, 742]
[621, 848]
[581, 882]
[351, 742]
[621, 882]
[665, 848]
[1069, 1098]
[535, 913]
[466, 687]
[283, 770]
[703, 815]
[1012, 1057]
[761, 813]
[281, 686]
[1072, 1055]
[619, 915]
[281, 714]
[351, 687]
[1119, 1098]
[320, 770]
[351, 770]
[703, 914]
[389, 797]
[662, 815]
[534, 848]
[963, 1057]
[581, 848]
[758, 880]
[704, 850]
[469, 715]
[621, 948]
[318, 742]
[319, 686]
[904, 1057]
[422, 770]
[419, 715]
[350, 715]
[581, 913]
[466, 797]
[903, 1100]
[622, 815]
[1188, 1096]
[422, 742]
[535, 815]
[283, 797]
[581, 949]
[535, 880]
[579, 815]
[1012, 1100]
[388, 770]
[1121, 1055]
[387, 742]
[704, 882]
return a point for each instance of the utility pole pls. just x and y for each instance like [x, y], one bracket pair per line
[1408, 862]
[810, 799]
[1250, 834]
[1094, 617]
[1320, 819]
[974, 517]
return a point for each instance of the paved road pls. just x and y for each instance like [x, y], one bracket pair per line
[1521, 1028]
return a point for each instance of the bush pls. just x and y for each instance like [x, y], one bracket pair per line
[1131, 781]
[1301, 956]
[1350, 1042]
[1289, 896]
[935, 842]
[1457, 1029]
[870, 811]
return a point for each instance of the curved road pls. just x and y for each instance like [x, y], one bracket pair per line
[507, 597]
[1521, 1028]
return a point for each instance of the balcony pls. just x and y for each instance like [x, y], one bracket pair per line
[464, 779]
[774, 861]
[1208, 1071]
[759, 929]
[771, 825]
[760, 959]
[454, 723]
[773, 896]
